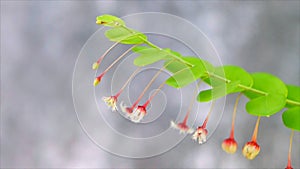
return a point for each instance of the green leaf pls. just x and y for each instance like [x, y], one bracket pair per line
[184, 74]
[125, 36]
[174, 66]
[293, 94]
[231, 74]
[291, 118]
[172, 52]
[269, 103]
[140, 48]
[183, 77]
[149, 56]
[217, 92]
[266, 83]
[109, 20]
[233, 77]
[266, 105]
[202, 65]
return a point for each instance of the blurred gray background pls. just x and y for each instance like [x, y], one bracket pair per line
[40, 41]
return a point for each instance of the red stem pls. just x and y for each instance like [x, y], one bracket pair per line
[186, 117]
[126, 83]
[289, 165]
[234, 115]
[147, 87]
[100, 76]
[191, 104]
[208, 115]
[119, 58]
[254, 136]
[153, 95]
[106, 52]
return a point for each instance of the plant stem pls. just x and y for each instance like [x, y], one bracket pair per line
[106, 52]
[120, 57]
[292, 102]
[218, 77]
[154, 94]
[288, 101]
[156, 47]
[146, 88]
[290, 150]
[254, 136]
[128, 80]
[240, 85]
[208, 115]
[192, 102]
[234, 115]
[252, 89]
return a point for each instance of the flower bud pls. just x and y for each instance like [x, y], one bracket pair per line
[229, 145]
[97, 81]
[251, 150]
[95, 65]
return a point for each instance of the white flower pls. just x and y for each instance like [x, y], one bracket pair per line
[200, 135]
[182, 127]
[111, 102]
[138, 114]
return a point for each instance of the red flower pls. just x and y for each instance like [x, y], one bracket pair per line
[251, 150]
[98, 79]
[229, 145]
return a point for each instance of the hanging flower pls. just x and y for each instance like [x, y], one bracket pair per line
[229, 145]
[111, 102]
[98, 79]
[182, 127]
[138, 114]
[200, 135]
[251, 150]
[95, 65]
[125, 109]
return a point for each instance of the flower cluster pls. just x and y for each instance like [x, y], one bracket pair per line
[251, 149]
[136, 113]
[121, 34]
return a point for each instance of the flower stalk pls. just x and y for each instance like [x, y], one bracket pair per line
[111, 101]
[183, 127]
[98, 62]
[129, 110]
[255, 132]
[139, 113]
[251, 148]
[229, 145]
[289, 164]
[200, 134]
[98, 78]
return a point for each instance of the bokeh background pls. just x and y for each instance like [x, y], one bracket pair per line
[40, 42]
